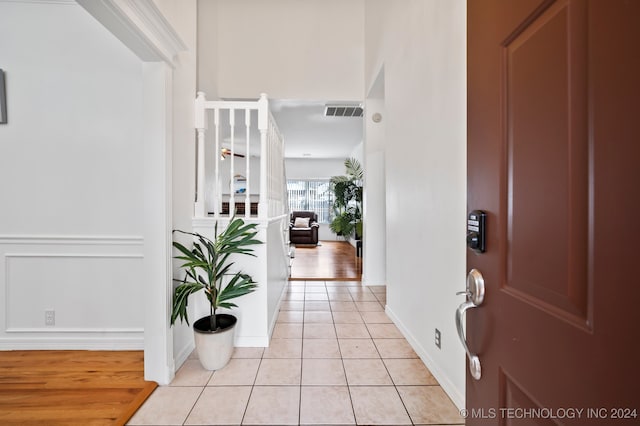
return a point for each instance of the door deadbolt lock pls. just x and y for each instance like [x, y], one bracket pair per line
[476, 224]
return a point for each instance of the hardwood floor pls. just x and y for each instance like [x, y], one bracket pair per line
[71, 387]
[331, 261]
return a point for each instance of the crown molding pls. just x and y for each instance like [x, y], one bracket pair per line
[140, 25]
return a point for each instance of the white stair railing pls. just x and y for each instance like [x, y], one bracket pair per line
[217, 186]
[272, 188]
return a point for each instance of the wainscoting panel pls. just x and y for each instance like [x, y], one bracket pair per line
[69, 292]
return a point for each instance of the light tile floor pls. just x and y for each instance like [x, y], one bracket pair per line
[335, 358]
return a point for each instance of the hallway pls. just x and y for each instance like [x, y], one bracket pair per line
[330, 260]
[335, 358]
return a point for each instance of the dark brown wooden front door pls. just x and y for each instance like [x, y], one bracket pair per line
[554, 160]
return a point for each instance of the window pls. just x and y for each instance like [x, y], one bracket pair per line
[311, 195]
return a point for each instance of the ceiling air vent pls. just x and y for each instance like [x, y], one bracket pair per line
[343, 111]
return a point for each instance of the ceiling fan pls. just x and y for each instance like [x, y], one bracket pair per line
[225, 152]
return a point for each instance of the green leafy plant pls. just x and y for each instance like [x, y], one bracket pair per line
[207, 268]
[347, 206]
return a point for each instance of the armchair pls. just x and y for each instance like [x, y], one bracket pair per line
[303, 227]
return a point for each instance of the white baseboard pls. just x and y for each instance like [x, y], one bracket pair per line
[183, 355]
[367, 283]
[274, 320]
[252, 342]
[442, 378]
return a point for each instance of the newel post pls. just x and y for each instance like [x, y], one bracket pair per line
[263, 127]
[201, 126]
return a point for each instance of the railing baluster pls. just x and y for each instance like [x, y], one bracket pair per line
[247, 160]
[272, 187]
[217, 198]
[274, 174]
[232, 155]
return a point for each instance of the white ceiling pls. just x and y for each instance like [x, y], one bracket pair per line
[309, 134]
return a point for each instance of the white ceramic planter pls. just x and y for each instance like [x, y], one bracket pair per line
[214, 348]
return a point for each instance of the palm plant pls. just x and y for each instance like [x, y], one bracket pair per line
[348, 199]
[207, 267]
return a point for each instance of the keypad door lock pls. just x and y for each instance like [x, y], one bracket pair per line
[476, 232]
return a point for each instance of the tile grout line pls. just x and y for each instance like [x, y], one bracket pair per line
[195, 402]
[353, 410]
[255, 379]
[304, 310]
[395, 386]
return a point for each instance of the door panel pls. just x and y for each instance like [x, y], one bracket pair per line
[513, 397]
[547, 148]
[553, 154]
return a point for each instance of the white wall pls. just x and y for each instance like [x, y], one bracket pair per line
[256, 312]
[71, 222]
[374, 241]
[421, 45]
[289, 49]
[183, 18]
[358, 153]
[207, 34]
[308, 168]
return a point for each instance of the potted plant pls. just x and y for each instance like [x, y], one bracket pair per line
[208, 268]
[347, 204]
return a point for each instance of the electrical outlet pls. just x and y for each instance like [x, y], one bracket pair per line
[438, 339]
[50, 317]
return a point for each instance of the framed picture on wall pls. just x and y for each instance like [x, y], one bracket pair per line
[3, 99]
